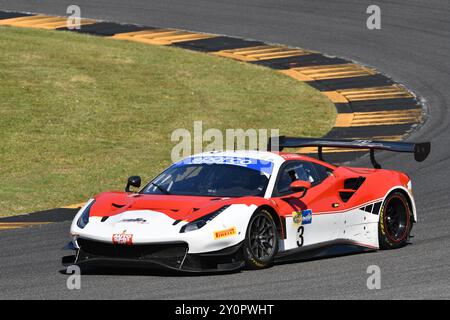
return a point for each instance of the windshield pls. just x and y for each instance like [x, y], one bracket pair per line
[195, 177]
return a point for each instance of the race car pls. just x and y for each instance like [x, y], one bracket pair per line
[228, 210]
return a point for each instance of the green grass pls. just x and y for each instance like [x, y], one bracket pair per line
[79, 114]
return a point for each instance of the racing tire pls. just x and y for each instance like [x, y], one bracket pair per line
[395, 222]
[261, 241]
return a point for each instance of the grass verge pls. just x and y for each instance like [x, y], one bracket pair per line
[79, 114]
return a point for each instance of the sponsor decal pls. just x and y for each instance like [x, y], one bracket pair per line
[225, 233]
[297, 217]
[137, 220]
[306, 216]
[264, 166]
[122, 238]
[302, 217]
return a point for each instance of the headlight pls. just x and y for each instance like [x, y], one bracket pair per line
[201, 222]
[83, 220]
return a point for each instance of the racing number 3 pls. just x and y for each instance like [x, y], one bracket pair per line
[300, 232]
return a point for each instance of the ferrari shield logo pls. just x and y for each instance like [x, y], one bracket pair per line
[297, 217]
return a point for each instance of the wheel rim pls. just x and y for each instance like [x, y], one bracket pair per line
[396, 219]
[262, 237]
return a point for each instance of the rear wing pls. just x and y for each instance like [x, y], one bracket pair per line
[420, 150]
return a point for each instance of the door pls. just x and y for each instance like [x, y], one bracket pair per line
[313, 218]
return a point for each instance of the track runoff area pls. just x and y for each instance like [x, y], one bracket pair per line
[370, 105]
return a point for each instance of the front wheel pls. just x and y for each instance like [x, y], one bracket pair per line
[261, 241]
[395, 222]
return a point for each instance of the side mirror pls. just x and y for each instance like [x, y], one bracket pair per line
[133, 181]
[300, 185]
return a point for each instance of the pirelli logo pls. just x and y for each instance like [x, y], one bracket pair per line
[225, 233]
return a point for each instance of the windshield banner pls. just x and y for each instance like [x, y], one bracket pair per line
[263, 166]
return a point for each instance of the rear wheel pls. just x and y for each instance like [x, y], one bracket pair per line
[395, 222]
[261, 241]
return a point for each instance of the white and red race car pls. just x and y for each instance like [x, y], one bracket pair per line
[223, 211]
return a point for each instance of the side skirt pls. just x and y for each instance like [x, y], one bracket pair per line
[333, 248]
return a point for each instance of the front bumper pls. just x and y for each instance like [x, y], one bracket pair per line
[172, 256]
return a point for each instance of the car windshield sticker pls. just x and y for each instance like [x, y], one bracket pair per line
[262, 166]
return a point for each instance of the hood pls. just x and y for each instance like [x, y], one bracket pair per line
[176, 207]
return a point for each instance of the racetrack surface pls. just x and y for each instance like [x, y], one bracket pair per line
[412, 48]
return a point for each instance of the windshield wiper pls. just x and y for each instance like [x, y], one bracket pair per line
[160, 188]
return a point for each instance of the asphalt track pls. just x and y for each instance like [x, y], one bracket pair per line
[412, 47]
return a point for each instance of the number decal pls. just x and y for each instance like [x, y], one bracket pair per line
[300, 232]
